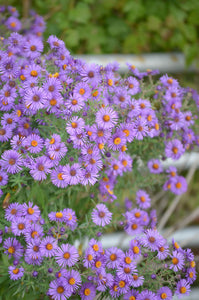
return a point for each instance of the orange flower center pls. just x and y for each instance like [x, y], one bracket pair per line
[117, 141]
[87, 292]
[106, 118]
[122, 283]
[33, 234]
[33, 73]
[163, 296]
[178, 185]
[82, 91]
[74, 125]
[21, 226]
[15, 271]
[142, 199]
[74, 102]
[113, 257]
[128, 260]
[30, 211]
[66, 255]
[183, 290]
[11, 250]
[95, 247]
[60, 289]
[49, 246]
[59, 176]
[155, 166]
[136, 249]
[110, 82]
[175, 261]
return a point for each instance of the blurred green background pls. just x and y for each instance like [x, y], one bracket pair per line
[125, 26]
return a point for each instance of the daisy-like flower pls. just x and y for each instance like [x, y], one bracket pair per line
[73, 280]
[106, 118]
[40, 168]
[183, 288]
[66, 255]
[5, 133]
[33, 249]
[143, 199]
[164, 293]
[13, 24]
[83, 90]
[75, 125]
[116, 141]
[178, 185]
[155, 166]
[72, 174]
[31, 211]
[152, 239]
[33, 47]
[13, 210]
[57, 177]
[12, 161]
[87, 291]
[74, 103]
[124, 272]
[174, 149]
[56, 216]
[34, 231]
[15, 272]
[114, 257]
[35, 98]
[20, 225]
[58, 290]
[101, 215]
[135, 248]
[90, 73]
[131, 295]
[177, 261]
[136, 280]
[34, 143]
[13, 248]
[95, 246]
[70, 218]
[48, 246]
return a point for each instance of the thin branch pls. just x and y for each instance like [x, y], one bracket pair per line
[173, 205]
[26, 8]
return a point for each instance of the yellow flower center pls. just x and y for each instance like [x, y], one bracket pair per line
[49, 246]
[60, 289]
[163, 296]
[82, 91]
[87, 292]
[117, 141]
[128, 260]
[66, 255]
[30, 211]
[11, 250]
[175, 261]
[136, 249]
[71, 281]
[59, 215]
[113, 257]
[122, 283]
[74, 125]
[106, 118]
[15, 271]
[59, 176]
[33, 73]
[183, 290]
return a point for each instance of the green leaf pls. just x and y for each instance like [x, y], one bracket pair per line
[80, 13]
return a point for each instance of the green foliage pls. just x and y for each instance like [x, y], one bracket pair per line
[128, 26]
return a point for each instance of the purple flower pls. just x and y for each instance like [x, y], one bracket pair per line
[73, 280]
[143, 199]
[75, 125]
[101, 215]
[177, 261]
[15, 272]
[114, 257]
[13, 24]
[33, 143]
[174, 149]
[72, 174]
[33, 231]
[183, 288]
[40, 168]
[13, 248]
[155, 166]
[12, 161]
[131, 295]
[33, 249]
[48, 246]
[106, 118]
[70, 218]
[20, 225]
[35, 98]
[66, 255]
[31, 211]
[87, 291]
[13, 210]
[58, 289]
[164, 293]
[178, 185]
[33, 47]
[152, 239]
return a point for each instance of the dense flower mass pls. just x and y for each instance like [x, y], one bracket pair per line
[47, 249]
[70, 124]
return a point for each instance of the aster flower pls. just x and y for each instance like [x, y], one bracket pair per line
[5, 133]
[88, 259]
[33, 231]
[66, 255]
[14, 210]
[75, 125]
[31, 211]
[58, 290]
[114, 257]
[91, 74]
[141, 129]
[116, 141]
[48, 246]
[101, 215]
[178, 185]
[33, 248]
[15, 272]
[11, 161]
[124, 272]
[155, 166]
[33, 47]
[174, 149]
[152, 239]
[136, 280]
[40, 167]
[35, 98]
[73, 280]
[164, 293]
[95, 246]
[19, 225]
[57, 177]
[34, 143]
[177, 261]
[83, 90]
[182, 288]
[70, 218]
[72, 174]
[74, 103]
[133, 85]
[87, 291]
[131, 295]
[106, 117]
[143, 199]
[135, 248]
[13, 248]
[13, 24]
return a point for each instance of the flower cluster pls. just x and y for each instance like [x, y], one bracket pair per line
[99, 112]
[112, 271]
[34, 26]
